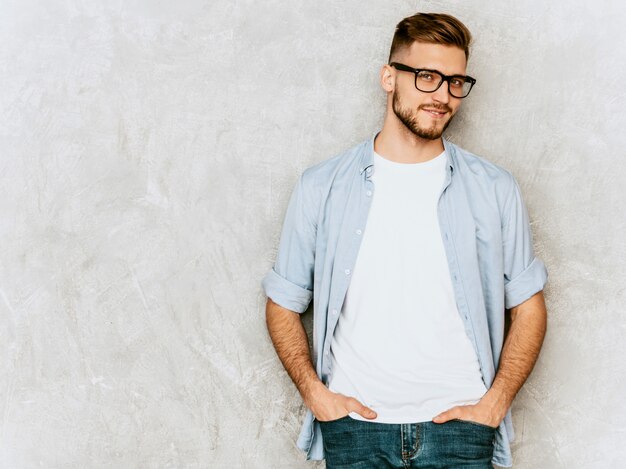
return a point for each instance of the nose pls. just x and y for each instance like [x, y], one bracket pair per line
[442, 94]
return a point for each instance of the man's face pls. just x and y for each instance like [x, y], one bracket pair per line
[427, 115]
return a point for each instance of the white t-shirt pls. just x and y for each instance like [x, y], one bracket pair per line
[400, 346]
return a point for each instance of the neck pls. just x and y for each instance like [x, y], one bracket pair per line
[397, 143]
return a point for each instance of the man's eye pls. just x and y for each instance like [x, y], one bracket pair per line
[425, 76]
[458, 82]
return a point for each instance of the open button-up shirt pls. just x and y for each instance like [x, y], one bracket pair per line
[487, 240]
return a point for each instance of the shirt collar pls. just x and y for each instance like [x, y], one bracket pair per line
[367, 158]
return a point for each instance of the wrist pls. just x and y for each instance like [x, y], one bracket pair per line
[497, 402]
[312, 392]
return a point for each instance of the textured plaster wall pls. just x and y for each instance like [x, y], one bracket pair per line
[147, 153]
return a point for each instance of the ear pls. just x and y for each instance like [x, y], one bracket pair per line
[388, 78]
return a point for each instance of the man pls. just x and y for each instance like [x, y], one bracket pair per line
[412, 249]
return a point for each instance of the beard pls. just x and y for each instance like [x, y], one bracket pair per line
[410, 120]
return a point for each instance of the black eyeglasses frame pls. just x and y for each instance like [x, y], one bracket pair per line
[444, 77]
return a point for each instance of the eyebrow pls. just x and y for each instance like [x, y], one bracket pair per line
[439, 71]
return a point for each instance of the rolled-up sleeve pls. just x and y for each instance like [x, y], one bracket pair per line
[290, 281]
[524, 273]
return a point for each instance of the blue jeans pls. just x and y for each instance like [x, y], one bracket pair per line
[357, 444]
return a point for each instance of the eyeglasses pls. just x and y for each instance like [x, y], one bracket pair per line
[429, 81]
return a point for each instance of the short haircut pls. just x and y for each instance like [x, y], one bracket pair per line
[430, 28]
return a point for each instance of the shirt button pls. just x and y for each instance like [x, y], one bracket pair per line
[369, 170]
[334, 311]
[347, 271]
[358, 232]
[326, 352]
[369, 193]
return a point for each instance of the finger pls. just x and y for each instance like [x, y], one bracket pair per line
[449, 414]
[361, 409]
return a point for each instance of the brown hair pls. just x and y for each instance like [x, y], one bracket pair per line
[431, 28]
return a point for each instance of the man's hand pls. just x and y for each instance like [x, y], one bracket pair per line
[327, 405]
[481, 412]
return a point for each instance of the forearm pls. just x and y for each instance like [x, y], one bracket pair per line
[519, 353]
[292, 346]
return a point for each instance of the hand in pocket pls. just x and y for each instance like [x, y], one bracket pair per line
[329, 406]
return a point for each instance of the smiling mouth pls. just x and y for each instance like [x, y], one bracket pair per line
[434, 113]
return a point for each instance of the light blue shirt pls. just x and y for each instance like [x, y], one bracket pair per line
[487, 239]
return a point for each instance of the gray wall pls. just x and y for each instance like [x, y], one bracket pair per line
[148, 151]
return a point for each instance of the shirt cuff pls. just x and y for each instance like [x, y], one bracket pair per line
[285, 293]
[530, 281]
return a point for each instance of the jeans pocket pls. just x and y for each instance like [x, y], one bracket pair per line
[470, 441]
[482, 425]
[334, 420]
